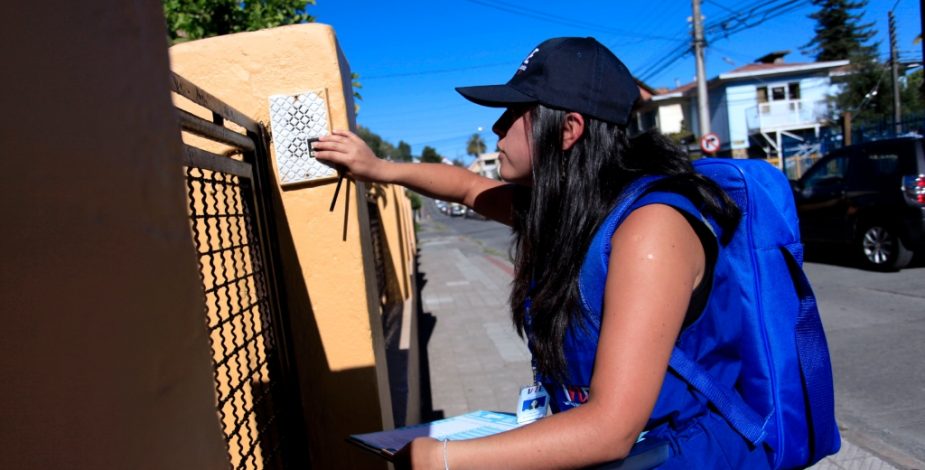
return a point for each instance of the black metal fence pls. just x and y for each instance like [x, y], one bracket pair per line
[256, 396]
[799, 155]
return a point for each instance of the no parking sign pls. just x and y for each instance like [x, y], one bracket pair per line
[709, 143]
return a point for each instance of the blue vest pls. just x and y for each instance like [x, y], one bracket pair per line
[706, 339]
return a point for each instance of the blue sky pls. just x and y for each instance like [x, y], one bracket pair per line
[411, 54]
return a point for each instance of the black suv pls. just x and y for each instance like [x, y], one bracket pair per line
[870, 196]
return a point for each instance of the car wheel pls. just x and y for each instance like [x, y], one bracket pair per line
[881, 248]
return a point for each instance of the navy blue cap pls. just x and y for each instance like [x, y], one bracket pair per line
[572, 74]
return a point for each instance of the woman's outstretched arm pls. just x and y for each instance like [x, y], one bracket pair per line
[656, 261]
[488, 197]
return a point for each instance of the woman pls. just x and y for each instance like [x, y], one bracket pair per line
[565, 157]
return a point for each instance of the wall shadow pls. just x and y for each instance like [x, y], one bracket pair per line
[334, 404]
[426, 324]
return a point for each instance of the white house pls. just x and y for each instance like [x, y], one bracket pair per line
[486, 165]
[754, 107]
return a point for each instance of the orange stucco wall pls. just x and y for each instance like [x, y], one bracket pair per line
[103, 346]
[329, 276]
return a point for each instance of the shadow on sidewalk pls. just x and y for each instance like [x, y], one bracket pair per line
[426, 324]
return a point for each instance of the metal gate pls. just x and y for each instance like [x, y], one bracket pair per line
[256, 393]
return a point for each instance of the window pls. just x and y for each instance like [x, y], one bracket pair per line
[762, 94]
[831, 173]
[778, 93]
[793, 90]
[884, 164]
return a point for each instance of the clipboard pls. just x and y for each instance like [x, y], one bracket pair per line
[647, 453]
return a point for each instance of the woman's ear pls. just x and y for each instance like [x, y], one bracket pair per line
[572, 130]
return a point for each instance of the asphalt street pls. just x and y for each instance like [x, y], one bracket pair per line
[874, 323]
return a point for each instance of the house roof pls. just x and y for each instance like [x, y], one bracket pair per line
[675, 93]
[645, 91]
[755, 70]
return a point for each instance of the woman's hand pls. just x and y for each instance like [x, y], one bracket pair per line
[346, 150]
[420, 454]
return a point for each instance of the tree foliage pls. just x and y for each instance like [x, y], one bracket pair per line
[867, 93]
[403, 152]
[867, 90]
[430, 155]
[840, 33]
[197, 19]
[379, 146]
[383, 148]
[475, 146]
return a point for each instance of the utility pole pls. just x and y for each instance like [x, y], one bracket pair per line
[703, 110]
[922, 23]
[894, 66]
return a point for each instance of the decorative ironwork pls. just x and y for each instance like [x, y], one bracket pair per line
[255, 395]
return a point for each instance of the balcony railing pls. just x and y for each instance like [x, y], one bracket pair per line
[785, 114]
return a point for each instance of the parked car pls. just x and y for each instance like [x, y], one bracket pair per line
[472, 214]
[457, 209]
[869, 197]
[442, 206]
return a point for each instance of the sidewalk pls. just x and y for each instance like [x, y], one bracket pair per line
[477, 361]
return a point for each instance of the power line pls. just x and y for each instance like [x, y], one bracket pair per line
[434, 72]
[748, 17]
[764, 12]
[536, 14]
[658, 13]
[724, 7]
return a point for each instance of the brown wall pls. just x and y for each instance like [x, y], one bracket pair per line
[103, 347]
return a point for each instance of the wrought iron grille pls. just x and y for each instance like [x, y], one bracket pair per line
[378, 241]
[255, 396]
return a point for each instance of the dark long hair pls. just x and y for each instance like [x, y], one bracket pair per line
[573, 191]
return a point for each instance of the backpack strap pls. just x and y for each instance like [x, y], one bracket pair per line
[728, 402]
[815, 368]
[815, 371]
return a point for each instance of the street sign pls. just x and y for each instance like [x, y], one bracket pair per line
[709, 143]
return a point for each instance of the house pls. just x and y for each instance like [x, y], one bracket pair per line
[753, 109]
[486, 165]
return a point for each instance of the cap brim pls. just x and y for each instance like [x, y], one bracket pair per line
[494, 96]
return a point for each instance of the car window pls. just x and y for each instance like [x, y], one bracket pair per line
[884, 163]
[907, 151]
[885, 158]
[827, 173]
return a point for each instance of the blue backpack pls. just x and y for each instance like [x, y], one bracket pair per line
[783, 396]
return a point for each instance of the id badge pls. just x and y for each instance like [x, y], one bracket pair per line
[532, 403]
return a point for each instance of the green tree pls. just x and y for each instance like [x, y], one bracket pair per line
[430, 155]
[355, 82]
[403, 151]
[197, 19]
[475, 146]
[840, 34]
[868, 93]
[376, 143]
